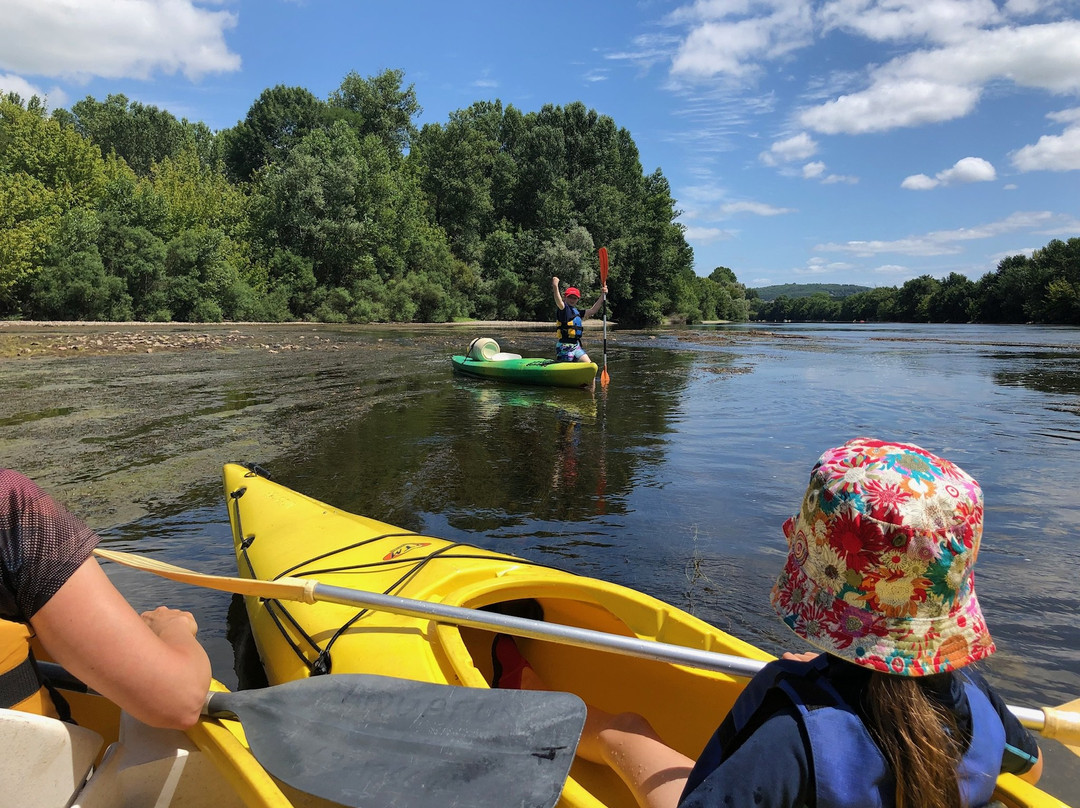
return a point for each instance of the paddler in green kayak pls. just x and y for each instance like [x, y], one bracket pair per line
[568, 322]
[879, 578]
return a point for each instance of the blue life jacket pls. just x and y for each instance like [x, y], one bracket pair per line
[849, 769]
[569, 324]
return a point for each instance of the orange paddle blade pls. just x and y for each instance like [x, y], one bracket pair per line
[603, 265]
[605, 379]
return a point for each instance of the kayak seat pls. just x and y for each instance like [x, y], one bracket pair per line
[45, 761]
[502, 356]
[507, 663]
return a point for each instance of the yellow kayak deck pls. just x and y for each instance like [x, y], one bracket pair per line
[279, 532]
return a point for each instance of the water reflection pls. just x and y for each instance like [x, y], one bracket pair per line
[491, 457]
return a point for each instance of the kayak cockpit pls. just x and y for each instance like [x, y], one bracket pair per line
[684, 704]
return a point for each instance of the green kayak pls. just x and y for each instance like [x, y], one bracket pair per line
[528, 371]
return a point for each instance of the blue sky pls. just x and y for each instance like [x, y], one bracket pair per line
[834, 141]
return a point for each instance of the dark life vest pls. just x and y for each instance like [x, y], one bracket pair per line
[568, 324]
[849, 768]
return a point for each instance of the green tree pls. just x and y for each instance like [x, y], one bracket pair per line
[1062, 302]
[275, 124]
[1001, 295]
[872, 305]
[913, 299]
[29, 219]
[953, 300]
[380, 107]
[140, 134]
[46, 171]
[1053, 271]
[73, 283]
[355, 213]
[199, 276]
[456, 166]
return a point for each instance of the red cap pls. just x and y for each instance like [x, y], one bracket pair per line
[571, 290]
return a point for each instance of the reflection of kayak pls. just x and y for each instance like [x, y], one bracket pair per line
[565, 403]
[279, 532]
[528, 371]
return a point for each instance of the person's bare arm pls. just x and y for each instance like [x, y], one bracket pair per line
[558, 295]
[152, 666]
[595, 307]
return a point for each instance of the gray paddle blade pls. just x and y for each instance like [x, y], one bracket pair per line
[366, 740]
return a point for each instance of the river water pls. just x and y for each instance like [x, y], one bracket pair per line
[673, 480]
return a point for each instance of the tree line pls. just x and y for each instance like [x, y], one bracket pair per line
[336, 210]
[1044, 288]
[342, 210]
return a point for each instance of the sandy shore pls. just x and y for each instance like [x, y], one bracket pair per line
[57, 338]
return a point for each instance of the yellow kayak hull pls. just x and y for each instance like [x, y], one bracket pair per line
[279, 532]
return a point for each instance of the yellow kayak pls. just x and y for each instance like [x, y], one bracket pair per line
[281, 533]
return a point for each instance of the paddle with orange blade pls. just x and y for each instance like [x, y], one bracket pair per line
[604, 377]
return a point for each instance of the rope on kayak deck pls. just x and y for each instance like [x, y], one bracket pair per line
[280, 615]
[324, 663]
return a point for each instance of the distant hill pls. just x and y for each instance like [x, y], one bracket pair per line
[833, 290]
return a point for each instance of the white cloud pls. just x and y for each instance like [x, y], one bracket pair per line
[10, 83]
[648, 50]
[832, 179]
[819, 266]
[1065, 115]
[1053, 152]
[948, 242]
[115, 38]
[800, 147]
[997, 258]
[969, 169]
[1022, 8]
[890, 269]
[816, 171]
[797, 147]
[890, 104]
[919, 182]
[886, 20]
[729, 38]
[708, 235]
[810, 270]
[756, 208]
[912, 89]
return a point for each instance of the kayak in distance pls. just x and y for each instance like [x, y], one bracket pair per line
[393, 602]
[485, 360]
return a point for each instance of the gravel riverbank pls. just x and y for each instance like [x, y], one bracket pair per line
[118, 419]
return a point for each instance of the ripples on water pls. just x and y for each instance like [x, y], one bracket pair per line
[676, 479]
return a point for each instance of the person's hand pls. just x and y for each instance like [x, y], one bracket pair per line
[555, 282]
[163, 618]
[604, 289]
[804, 656]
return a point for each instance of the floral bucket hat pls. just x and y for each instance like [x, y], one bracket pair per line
[880, 557]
